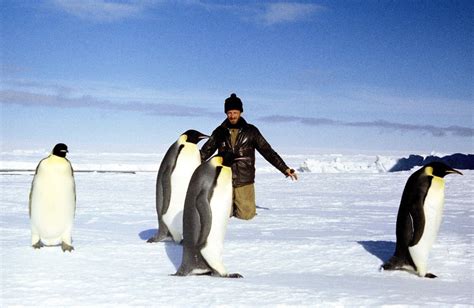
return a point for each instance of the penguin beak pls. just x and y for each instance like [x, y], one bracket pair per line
[203, 137]
[454, 171]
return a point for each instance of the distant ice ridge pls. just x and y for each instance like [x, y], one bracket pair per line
[378, 164]
[457, 161]
[314, 163]
[348, 164]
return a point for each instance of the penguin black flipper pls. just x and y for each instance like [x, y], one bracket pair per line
[417, 217]
[166, 181]
[417, 212]
[191, 218]
[162, 232]
[163, 195]
[205, 217]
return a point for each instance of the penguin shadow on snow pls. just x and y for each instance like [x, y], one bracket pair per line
[146, 234]
[381, 249]
[173, 250]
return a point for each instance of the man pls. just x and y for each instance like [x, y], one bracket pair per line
[242, 138]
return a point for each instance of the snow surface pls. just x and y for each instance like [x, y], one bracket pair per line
[316, 242]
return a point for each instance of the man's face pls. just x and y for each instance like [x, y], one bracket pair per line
[233, 116]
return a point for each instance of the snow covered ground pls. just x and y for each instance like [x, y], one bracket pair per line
[315, 242]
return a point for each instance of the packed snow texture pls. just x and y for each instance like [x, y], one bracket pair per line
[316, 242]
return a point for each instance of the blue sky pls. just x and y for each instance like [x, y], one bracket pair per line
[314, 76]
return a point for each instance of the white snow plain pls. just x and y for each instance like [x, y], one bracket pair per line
[316, 242]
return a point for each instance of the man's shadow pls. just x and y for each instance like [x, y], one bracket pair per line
[381, 249]
[174, 251]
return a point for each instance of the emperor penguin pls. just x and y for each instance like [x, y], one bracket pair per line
[52, 203]
[207, 211]
[419, 218]
[176, 169]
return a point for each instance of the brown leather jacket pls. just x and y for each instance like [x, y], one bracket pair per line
[248, 140]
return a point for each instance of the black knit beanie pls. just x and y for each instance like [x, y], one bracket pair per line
[233, 103]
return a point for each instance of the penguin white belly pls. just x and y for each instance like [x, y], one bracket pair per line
[53, 202]
[188, 160]
[433, 209]
[221, 205]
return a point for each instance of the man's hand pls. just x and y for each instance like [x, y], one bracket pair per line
[292, 174]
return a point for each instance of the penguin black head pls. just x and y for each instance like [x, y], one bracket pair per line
[440, 169]
[193, 136]
[60, 150]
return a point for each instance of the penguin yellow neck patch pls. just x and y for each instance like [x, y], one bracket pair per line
[182, 139]
[429, 170]
[217, 161]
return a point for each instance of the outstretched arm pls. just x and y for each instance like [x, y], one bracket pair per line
[265, 149]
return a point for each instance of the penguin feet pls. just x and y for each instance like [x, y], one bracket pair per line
[181, 272]
[65, 247]
[155, 239]
[395, 263]
[430, 275]
[152, 240]
[38, 245]
[158, 237]
[387, 266]
[197, 271]
[204, 272]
